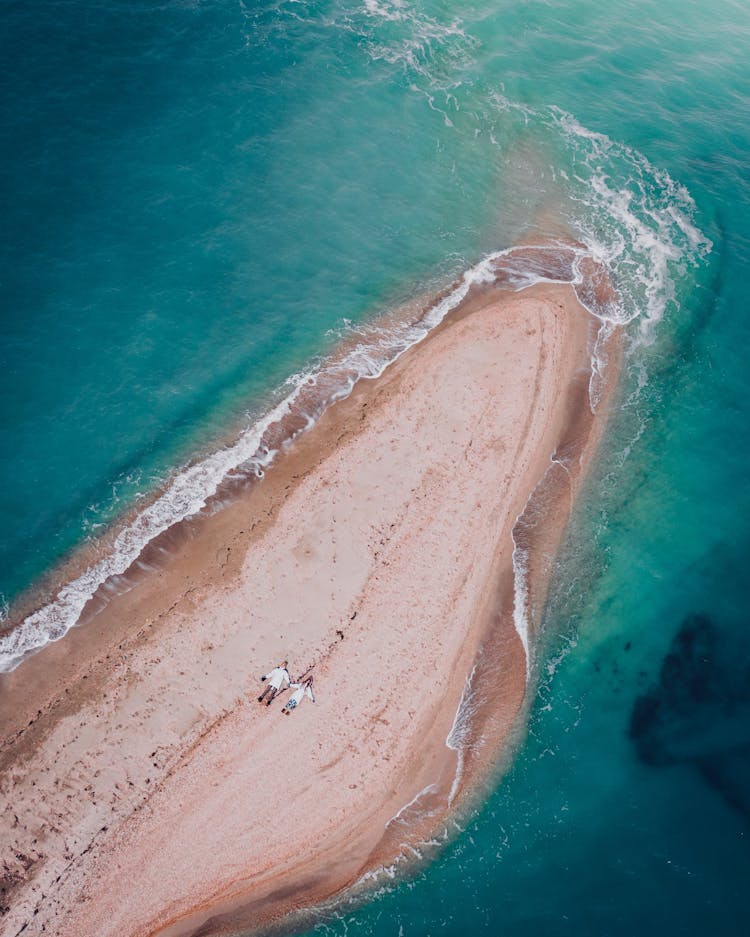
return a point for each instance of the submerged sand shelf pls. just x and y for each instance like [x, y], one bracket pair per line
[145, 791]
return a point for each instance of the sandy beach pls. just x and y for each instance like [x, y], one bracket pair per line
[144, 789]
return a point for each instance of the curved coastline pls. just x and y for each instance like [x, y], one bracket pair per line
[206, 745]
[83, 583]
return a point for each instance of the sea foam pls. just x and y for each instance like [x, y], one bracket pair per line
[459, 736]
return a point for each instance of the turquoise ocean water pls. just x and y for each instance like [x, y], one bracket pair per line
[200, 198]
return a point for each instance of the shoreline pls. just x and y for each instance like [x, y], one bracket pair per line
[245, 454]
[204, 566]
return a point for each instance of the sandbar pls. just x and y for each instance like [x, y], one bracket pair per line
[144, 789]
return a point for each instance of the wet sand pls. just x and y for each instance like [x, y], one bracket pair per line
[145, 789]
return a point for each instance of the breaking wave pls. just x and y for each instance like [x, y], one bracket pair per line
[459, 737]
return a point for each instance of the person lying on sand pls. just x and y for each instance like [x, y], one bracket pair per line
[301, 690]
[278, 679]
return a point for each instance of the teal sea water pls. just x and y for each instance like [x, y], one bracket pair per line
[199, 199]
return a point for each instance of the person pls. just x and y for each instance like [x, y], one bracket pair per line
[301, 690]
[278, 679]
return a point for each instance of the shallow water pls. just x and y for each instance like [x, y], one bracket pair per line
[200, 198]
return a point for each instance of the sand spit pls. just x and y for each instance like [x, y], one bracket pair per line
[144, 789]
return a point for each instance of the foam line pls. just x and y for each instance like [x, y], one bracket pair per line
[460, 731]
[397, 816]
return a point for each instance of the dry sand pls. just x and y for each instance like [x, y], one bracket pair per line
[144, 789]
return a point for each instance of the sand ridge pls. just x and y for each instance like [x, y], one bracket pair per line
[154, 794]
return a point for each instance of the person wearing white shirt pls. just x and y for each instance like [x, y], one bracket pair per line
[301, 690]
[278, 679]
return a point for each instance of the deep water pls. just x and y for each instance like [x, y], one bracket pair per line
[198, 198]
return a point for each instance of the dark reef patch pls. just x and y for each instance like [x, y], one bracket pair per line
[699, 711]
